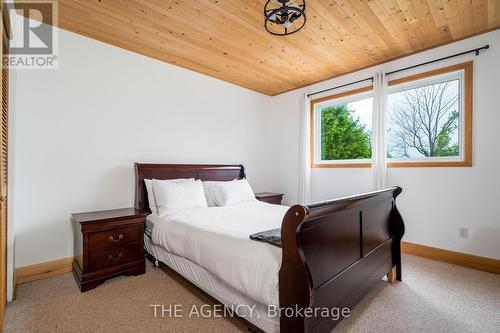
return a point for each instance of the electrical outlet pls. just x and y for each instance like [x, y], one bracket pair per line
[463, 233]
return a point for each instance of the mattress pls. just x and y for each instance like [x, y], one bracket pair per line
[252, 311]
[217, 239]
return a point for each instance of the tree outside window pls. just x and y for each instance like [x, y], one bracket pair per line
[424, 121]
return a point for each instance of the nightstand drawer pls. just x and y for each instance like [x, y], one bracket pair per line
[114, 256]
[113, 237]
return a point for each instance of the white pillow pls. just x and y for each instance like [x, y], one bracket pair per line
[232, 193]
[172, 197]
[151, 196]
[207, 187]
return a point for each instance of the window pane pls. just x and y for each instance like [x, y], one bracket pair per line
[346, 130]
[424, 121]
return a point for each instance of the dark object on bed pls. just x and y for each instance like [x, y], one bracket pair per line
[272, 237]
[333, 252]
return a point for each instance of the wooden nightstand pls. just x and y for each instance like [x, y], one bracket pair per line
[269, 197]
[107, 244]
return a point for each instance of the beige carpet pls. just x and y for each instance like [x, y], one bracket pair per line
[434, 297]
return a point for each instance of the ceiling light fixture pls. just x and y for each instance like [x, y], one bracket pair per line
[284, 17]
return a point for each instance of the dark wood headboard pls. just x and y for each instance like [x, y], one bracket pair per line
[174, 171]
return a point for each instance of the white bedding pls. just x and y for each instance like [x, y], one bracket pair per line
[151, 220]
[252, 311]
[217, 239]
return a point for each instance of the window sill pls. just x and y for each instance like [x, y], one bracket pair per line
[341, 165]
[444, 164]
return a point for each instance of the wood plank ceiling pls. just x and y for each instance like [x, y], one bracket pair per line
[226, 38]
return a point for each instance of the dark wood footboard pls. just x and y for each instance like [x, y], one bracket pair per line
[333, 254]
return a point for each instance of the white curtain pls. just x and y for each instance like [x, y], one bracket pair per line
[304, 149]
[379, 150]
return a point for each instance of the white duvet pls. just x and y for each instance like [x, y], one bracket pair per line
[217, 239]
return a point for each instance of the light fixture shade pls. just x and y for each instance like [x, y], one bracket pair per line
[284, 17]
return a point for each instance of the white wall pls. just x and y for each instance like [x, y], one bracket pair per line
[435, 201]
[79, 129]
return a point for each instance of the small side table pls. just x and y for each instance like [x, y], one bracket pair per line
[269, 197]
[107, 244]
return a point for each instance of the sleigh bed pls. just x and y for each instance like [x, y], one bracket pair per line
[332, 253]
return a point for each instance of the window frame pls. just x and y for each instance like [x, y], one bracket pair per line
[466, 122]
[313, 133]
[466, 117]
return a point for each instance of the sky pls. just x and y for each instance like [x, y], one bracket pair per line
[363, 109]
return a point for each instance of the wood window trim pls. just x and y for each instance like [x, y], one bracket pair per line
[467, 67]
[312, 130]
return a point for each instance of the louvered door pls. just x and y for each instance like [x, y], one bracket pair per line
[3, 178]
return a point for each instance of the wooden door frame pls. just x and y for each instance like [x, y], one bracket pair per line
[5, 36]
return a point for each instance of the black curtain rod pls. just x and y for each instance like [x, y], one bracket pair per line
[341, 86]
[476, 51]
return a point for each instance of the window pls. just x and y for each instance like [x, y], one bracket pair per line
[428, 122]
[429, 118]
[343, 124]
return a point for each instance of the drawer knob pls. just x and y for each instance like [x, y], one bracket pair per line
[110, 257]
[111, 239]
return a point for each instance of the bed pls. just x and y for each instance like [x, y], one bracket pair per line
[331, 253]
